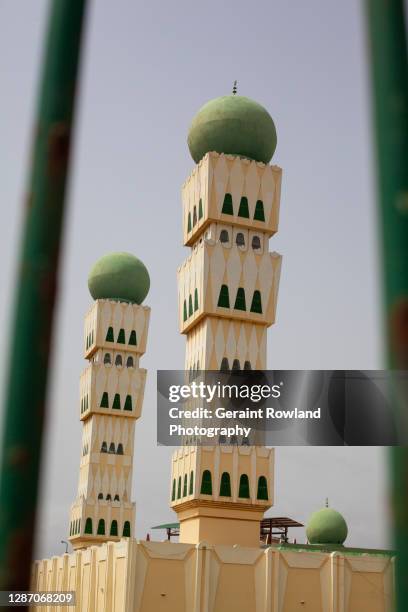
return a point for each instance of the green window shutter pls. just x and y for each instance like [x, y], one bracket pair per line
[109, 335]
[225, 486]
[191, 489]
[244, 486]
[243, 208]
[105, 400]
[101, 527]
[121, 336]
[190, 306]
[262, 488]
[189, 223]
[185, 486]
[240, 303]
[128, 403]
[126, 529]
[206, 483]
[116, 402]
[223, 298]
[227, 208]
[179, 488]
[195, 299]
[114, 528]
[88, 526]
[259, 211]
[173, 490]
[185, 311]
[200, 209]
[132, 338]
[256, 305]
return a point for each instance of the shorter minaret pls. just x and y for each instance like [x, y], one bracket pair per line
[111, 397]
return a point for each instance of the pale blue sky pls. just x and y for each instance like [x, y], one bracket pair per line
[147, 69]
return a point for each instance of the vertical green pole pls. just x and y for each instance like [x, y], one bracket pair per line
[31, 332]
[388, 53]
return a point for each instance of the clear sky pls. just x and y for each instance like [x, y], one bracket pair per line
[147, 69]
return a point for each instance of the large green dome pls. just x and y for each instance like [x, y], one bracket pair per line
[119, 276]
[326, 526]
[233, 125]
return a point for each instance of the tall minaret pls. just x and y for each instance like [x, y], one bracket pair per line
[227, 299]
[111, 397]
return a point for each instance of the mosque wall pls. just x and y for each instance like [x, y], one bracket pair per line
[132, 576]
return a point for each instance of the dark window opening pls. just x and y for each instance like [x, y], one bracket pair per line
[88, 525]
[240, 239]
[121, 336]
[126, 529]
[114, 528]
[256, 305]
[256, 243]
[244, 486]
[191, 489]
[223, 298]
[194, 215]
[128, 403]
[107, 358]
[224, 237]
[259, 211]
[112, 448]
[104, 447]
[132, 338]
[227, 208]
[236, 365]
[118, 360]
[240, 303]
[200, 209]
[185, 486]
[116, 402]
[206, 483]
[225, 486]
[129, 362]
[120, 449]
[262, 488]
[101, 527]
[247, 365]
[224, 365]
[109, 335]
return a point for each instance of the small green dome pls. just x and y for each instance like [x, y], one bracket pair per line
[233, 125]
[119, 276]
[326, 526]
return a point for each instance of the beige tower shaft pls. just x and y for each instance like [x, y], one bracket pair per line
[228, 290]
[111, 397]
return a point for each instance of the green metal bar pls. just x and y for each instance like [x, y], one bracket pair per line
[31, 332]
[388, 52]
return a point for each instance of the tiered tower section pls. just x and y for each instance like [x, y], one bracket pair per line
[111, 397]
[228, 290]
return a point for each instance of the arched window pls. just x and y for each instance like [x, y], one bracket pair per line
[236, 365]
[173, 490]
[243, 208]
[116, 402]
[245, 441]
[223, 298]
[240, 239]
[185, 311]
[194, 215]
[256, 305]
[240, 303]
[190, 305]
[129, 362]
[227, 208]
[224, 237]
[88, 525]
[189, 223]
[109, 497]
[107, 358]
[100, 496]
[200, 209]
[259, 211]
[109, 335]
[112, 448]
[101, 527]
[116, 498]
[114, 528]
[225, 486]
[262, 488]
[104, 400]
[128, 403]
[132, 338]
[119, 450]
[256, 243]
[104, 447]
[222, 439]
[224, 365]
[179, 488]
[118, 360]
[244, 486]
[206, 483]
[126, 529]
[233, 439]
[121, 336]
[191, 488]
[247, 365]
[195, 299]
[185, 486]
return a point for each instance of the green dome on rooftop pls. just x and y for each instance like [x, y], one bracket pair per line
[233, 125]
[119, 276]
[326, 526]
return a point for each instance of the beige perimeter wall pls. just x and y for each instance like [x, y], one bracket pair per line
[131, 576]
